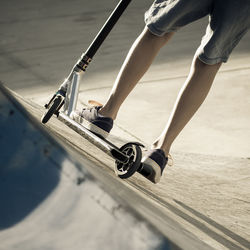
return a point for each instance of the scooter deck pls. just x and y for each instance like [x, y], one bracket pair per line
[103, 144]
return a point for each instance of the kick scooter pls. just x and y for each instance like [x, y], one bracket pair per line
[128, 157]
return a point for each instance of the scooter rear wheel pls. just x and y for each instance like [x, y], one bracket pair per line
[52, 109]
[127, 169]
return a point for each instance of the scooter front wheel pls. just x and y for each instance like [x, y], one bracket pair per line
[126, 169]
[52, 109]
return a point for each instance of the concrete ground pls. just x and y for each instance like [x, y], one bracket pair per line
[49, 199]
[207, 191]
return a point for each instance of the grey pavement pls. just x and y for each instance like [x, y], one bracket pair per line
[40, 42]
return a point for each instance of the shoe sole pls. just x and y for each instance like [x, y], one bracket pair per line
[156, 170]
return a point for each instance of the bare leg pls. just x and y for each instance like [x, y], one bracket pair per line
[191, 96]
[137, 62]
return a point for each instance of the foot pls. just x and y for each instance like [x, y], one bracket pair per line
[154, 163]
[92, 120]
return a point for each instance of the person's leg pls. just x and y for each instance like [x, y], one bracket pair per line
[137, 62]
[190, 98]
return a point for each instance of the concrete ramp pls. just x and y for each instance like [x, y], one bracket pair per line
[49, 200]
[58, 191]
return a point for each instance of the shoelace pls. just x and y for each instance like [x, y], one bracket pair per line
[89, 108]
[171, 163]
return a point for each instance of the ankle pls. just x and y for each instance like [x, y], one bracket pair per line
[107, 112]
[164, 148]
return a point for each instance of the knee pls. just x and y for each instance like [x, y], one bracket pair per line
[159, 40]
[200, 65]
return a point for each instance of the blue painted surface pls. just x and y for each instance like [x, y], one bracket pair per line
[29, 164]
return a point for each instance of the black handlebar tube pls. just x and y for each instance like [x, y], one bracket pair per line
[101, 36]
[86, 57]
[107, 27]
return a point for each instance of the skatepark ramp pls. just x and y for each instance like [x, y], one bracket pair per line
[50, 201]
[58, 191]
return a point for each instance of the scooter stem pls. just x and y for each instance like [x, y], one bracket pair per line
[86, 57]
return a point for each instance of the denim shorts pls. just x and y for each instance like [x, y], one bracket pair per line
[229, 20]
